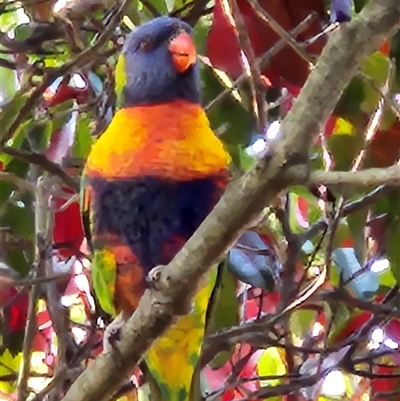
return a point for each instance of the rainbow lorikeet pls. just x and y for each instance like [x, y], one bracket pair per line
[149, 181]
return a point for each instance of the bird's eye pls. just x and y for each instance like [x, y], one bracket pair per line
[145, 45]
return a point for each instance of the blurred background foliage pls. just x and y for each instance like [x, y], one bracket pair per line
[57, 61]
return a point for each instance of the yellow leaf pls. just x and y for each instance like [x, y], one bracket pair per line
[9, 364]
[272, 363]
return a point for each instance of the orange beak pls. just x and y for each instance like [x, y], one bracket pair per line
[183, 52]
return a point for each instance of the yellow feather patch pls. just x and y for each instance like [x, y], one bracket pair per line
[167, 140]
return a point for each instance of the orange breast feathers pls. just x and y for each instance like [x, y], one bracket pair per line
[171, 140]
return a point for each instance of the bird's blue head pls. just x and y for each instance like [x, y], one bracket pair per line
[158, 64]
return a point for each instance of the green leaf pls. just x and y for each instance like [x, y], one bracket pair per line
[60, 114]
[345, 143]
[301, 322]
[103, 277]
[377, 68]
[16, 142]
[181, 3]
[349, 103]
[169, 5]
[9, 18]
[395, 54]
[386, 278]
[200, 34]
[314, 211]
[10, 110]
[83, 139]
[390, 205]
[237, 122]
[77, 313]
[223, 310]
[17, 167]
[43, 129]
[20, 219]
[356, 222]
[159, 5]
[132, 12]
[360, 97]
[359, 5]
[393, 247]
[8, 82]
[38, 134]
[23, 32]
[339, 312]
[247, 162]
[18, 260]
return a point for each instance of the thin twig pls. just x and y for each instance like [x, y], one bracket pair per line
[363, 178]
[30, 331]
[263, 61]
[21, 183]
[288, 38]
[59, 377]
[349, 208]
[41, 160]
[7, 64]
[384, 93]
[248, 60]
[41, 280]
[44, 232]
[25, 110]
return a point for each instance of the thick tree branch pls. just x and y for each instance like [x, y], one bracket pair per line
[245, 198]
[363, 178]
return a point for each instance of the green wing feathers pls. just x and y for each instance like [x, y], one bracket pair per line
[103, 265]
[104, 275]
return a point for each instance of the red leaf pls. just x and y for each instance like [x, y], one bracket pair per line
[387, 384]
[44, 334]
[58, 93]
[41, 343]
[228, 395]
[217, 378]
[353, 324]
[61, 141]
[68, 229]
[269, 303]
[224, 52]
[393, 330]
[329, 127]
[384, 149]
[302, 212]
[16, 309]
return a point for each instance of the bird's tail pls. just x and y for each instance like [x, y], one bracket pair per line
[173, 358]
